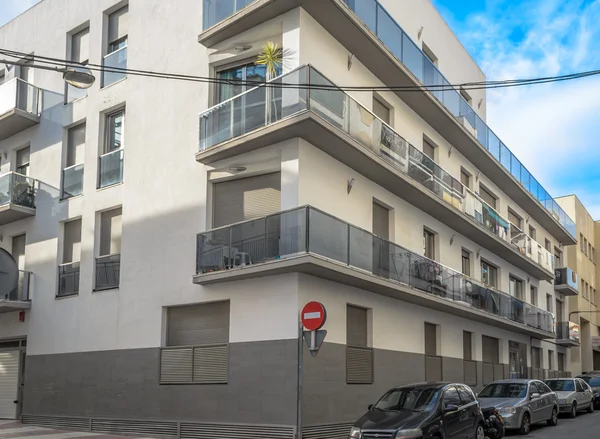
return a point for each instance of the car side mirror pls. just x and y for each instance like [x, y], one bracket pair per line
[370, 407]
[535, 395]
[450, 408]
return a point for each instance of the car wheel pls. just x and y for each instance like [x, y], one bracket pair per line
[573, 413]
[525, 424]
[479, 433]
[591, 407]
[553, 421]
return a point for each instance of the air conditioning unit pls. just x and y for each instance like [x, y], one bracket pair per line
[470, 128]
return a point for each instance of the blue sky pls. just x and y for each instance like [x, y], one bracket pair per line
[553, 128]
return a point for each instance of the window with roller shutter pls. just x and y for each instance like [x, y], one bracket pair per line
[359, 356]
[197, 350]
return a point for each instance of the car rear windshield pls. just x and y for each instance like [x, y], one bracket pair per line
[408, 399]
[592, 381]
[504, 390]
[561, 385]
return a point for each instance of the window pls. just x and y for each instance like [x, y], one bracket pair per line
[534, 295]
[116, 53]
[80, 53]
[489, 274]
[532, 233]
[18, 250]
[585, 246]
[433, 363]
[431, 347]
[236, 80]
[549, 302]
[543, 388]
[23, 161]
[578, 386]
[487, 196]
[465, 178]
[490, 349]
[466, 395]
[593, 255]
[451, 397]
[381, 221]
[550, 360]
[197, 344]
[581, 242]
[381, 110]
[108, 262]
[466, 96]
[557, 258]
[72, 181]
[68, 271]
[428, 244]
[466, 263]
[111, 161]
[359, 357]
[589, 250]
[514, 218]
[547, 245]
[467, 346]
[428, 149]
[561, 361]
[430, 55]
[536, 358]
[515, 287]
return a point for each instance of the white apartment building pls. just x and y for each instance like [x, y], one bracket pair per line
[169, 232]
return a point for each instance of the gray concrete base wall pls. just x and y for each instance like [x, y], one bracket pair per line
[124, 384]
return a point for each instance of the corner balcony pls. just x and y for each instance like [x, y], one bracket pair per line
[310, 241]
[567, 334]
[331, 120]
[565, 281]
[367, 30]
[17, 197]
[18, 299]
[20, 107]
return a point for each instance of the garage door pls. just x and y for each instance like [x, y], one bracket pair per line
[9, 384]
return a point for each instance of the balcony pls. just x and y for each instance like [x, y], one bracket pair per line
[108, 269]
[110, 168]
[372, 35]
[18, 299]
[114, 63]
[20, 107]
[565, 281]
[334, 122]
[567, 334]
[17, 197]
[72, 181]
[310, 241]
[68, 279]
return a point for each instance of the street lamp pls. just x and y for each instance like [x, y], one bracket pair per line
[77, 76]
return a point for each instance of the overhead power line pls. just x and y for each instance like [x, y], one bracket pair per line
[482, 85]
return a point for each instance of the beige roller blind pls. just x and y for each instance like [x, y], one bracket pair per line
[203, 324]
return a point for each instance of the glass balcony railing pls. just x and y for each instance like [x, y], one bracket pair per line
[72, 181]
[110, 168]
[269, 103]
[381, 23]
[307, 230]
[116, 60]
[568, 331]
[18, 94]
[22, 290]
[68, 279]
[108, 269]
[17, 189]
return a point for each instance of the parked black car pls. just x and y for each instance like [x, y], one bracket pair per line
[593, 380]
[423, 411]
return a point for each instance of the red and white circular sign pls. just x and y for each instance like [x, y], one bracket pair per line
[313, 316]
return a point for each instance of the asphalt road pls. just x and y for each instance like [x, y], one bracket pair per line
[584, 426]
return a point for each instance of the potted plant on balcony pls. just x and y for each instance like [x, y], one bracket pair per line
[273, 58]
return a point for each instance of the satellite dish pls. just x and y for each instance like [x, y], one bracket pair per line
[9, 273]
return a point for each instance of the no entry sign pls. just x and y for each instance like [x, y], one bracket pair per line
[313, 316]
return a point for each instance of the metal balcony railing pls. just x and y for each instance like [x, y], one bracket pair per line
[269, 103]
[68, 279]
[17, 189]
[72, 184]
[20, 95]
[568, 331]
[307, 230]
[110, 168]
[108, 272]
[22, 291]
[114, 62]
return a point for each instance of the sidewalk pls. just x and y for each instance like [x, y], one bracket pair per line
[16, 430]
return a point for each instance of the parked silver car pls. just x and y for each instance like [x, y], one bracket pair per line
[573, 394]
[521, 403]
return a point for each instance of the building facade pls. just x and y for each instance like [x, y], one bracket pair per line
[162, 274]
[583, 308]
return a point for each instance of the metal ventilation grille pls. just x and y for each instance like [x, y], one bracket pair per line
[152, 428]
[359, 365]
[176, 365]
[232, 431]
[63, 423]
[198, 365]
[329, 431]
[488, 373]
[470, 370]
[498, 372]
[433, 368]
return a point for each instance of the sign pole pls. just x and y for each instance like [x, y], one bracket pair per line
[299, 384]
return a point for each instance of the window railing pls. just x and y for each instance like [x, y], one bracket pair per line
[110, 168]
[108, 272]
[18, 94]
[216, 11]
[17, 189]
[267, 103]
[113, 64]
[68, 279]
[21, 292]
[72, 181]
[308, 230]
[568, 331]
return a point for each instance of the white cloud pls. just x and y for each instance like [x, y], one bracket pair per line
[552, 128]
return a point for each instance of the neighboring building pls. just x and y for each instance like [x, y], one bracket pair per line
[168, 271]
[584, 308]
